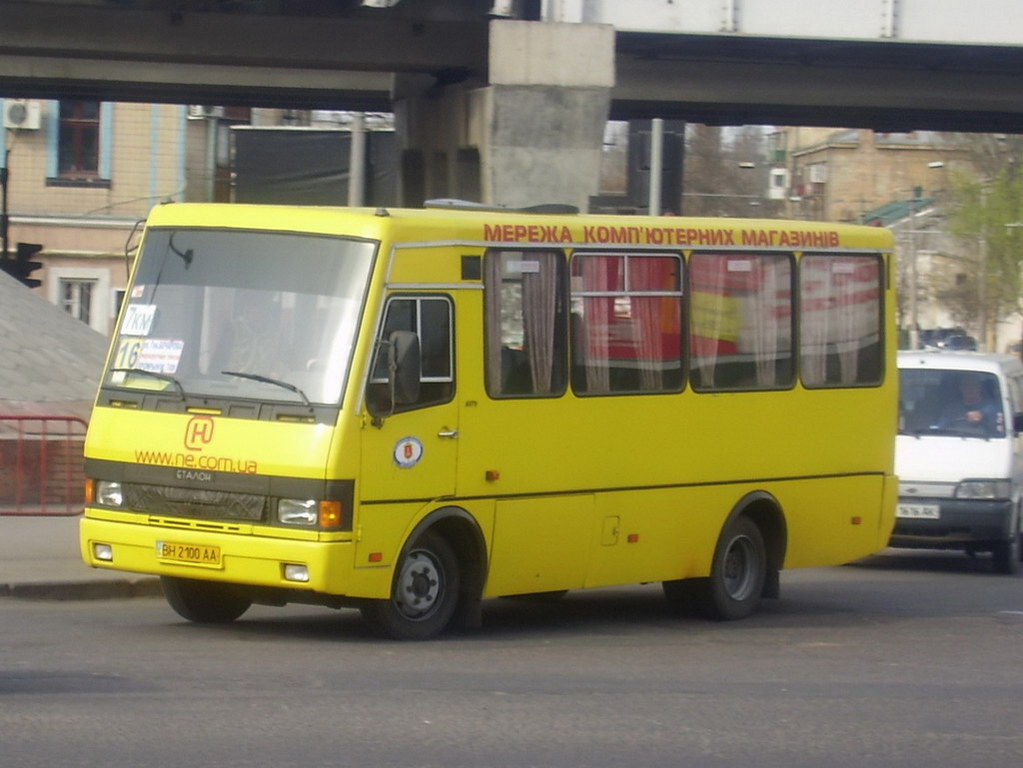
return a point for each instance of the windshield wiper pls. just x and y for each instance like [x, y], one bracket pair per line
[275, 382]
[155, 375]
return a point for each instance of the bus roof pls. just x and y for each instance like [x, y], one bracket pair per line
[495, 226]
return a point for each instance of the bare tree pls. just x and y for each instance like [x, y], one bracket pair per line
[985, 209]
[725, 174]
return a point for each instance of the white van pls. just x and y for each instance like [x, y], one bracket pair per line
[959, 454]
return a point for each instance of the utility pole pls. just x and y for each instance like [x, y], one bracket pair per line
[914, 319]
[3, 204]
[982, 276]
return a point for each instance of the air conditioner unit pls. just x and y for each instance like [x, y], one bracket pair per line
[21, 114]
[199, 111]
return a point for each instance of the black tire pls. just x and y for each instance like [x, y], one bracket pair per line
[1006, 554]
[204, 602]
[736, 582]
[424, 593]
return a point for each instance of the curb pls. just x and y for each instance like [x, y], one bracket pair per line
[83, 590]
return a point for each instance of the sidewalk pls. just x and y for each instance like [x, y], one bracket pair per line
[40, 560]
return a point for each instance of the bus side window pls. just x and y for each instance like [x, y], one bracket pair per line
[430, 318]
[626, 323]
[740, 321]
[526, 323]
[841, 310]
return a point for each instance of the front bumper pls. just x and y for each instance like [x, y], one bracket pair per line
[249, 556]
[961, 522]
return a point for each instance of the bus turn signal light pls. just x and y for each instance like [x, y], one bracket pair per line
[330, 514]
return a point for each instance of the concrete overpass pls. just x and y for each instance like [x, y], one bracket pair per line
[527, 84]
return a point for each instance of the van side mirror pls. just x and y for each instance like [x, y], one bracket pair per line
[404, 370]
[404, 367]
[1017, 422]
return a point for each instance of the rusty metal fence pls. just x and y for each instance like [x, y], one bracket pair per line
[41, 465]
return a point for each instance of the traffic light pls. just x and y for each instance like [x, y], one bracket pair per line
[21, 266]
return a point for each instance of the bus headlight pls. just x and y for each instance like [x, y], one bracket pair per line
[109, 493]
[298, 511]
[983, 489]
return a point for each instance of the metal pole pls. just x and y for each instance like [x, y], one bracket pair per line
[914, 277]
[914, 321]
[357, 161]
[982, 277]
[656, 161]
[212, 128]
[4, 176]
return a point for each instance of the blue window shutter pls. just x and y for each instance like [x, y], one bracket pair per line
[52, 138]
[106, 138]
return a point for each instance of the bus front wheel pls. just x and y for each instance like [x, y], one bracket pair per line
[736, 581]
[204, 602]
[424, 593]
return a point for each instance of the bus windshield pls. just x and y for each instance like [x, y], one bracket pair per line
[240, 314]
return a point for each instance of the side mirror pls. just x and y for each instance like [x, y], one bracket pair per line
[404, 367]
[1017, 422]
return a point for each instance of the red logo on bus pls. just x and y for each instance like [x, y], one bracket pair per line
[198, 432]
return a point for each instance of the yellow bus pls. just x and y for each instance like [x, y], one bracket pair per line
[409, 411]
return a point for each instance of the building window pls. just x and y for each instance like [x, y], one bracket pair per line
[78, 146]
[76, 298]
[79, 143]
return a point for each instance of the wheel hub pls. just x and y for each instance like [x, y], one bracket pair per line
[419, 586]
[739, 568]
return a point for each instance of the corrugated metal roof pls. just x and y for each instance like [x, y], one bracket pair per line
[47, 357]
[889, 213]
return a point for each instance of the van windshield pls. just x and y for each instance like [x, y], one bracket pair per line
[242, 314]
[948, 402]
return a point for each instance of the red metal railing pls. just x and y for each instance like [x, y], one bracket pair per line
[41, 465]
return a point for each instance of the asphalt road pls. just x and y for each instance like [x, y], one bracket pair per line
[906, 659]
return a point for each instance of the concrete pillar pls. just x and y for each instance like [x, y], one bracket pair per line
[532, 134]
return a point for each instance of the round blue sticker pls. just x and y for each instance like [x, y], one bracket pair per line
[407, 452]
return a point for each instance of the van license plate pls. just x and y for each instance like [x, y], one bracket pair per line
[195, 554]
[919, 511]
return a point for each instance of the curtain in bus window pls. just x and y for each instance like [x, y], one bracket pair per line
[599, 273]
[770, 314]
[841, 321]
[539, 297]
[713, 321]
[494, 324]
[815, 286]
[656, 318]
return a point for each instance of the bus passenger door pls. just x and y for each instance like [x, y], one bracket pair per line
[410, 452]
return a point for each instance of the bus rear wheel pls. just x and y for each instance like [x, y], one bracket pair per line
[204, 602]
[736, 581]
[424, 593]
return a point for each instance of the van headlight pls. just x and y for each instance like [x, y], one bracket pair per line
[984, 489]
[109, 493]
[298, 511]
